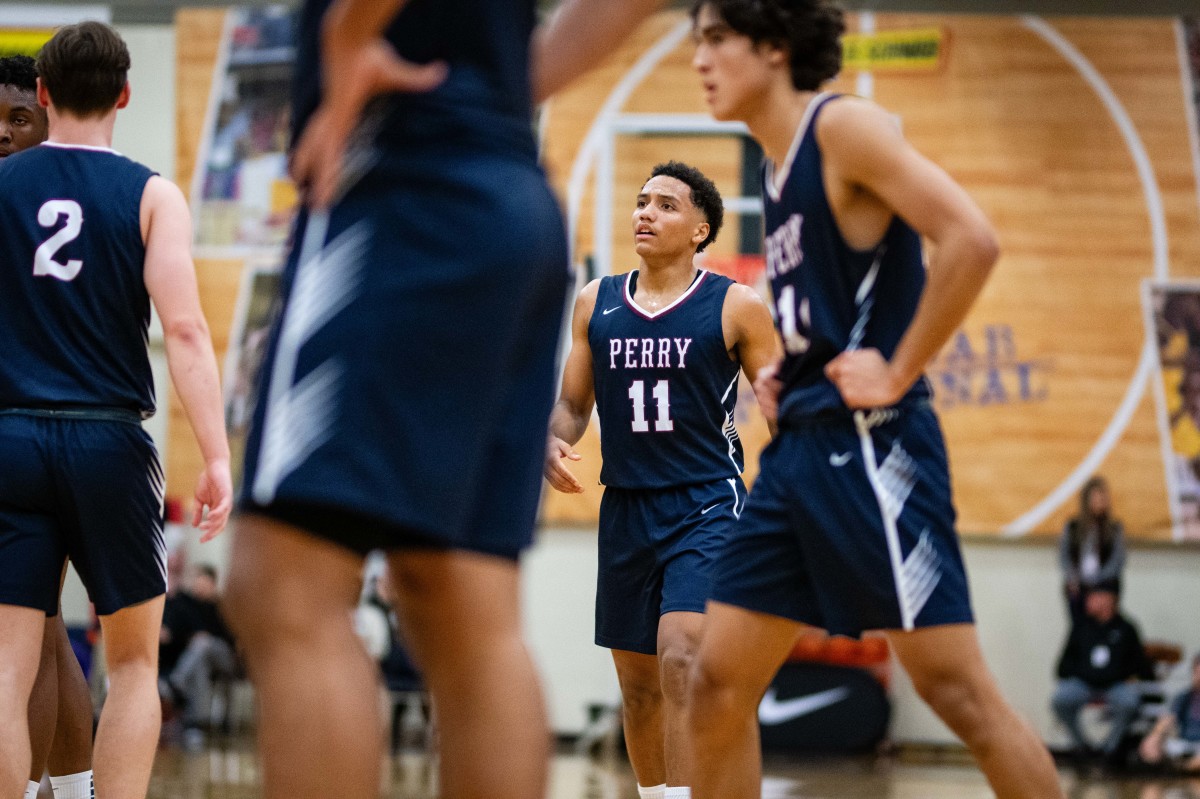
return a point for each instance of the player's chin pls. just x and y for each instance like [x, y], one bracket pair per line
[722, 112]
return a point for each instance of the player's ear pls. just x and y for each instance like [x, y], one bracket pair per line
[775, 55]
[43, 96]
[700, 234]
[123, 98]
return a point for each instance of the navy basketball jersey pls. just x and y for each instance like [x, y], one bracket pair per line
[830, 297]
[74, 310]
[485, 102]
[665, 386]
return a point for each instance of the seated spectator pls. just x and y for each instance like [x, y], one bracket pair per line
[1091, 550]
[1176, 736]
[1102, 660]
[196, 651]
[376, 623]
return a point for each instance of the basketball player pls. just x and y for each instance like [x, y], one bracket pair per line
[658, 351]
[60, 707]
[850, 525]
[405, 392]
[90, 238]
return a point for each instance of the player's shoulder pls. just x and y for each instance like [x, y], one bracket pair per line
[591, 290]
[162, 194]
[848, 118]
[740, 297]
[585, 302]
[851, 109]
[744, 308]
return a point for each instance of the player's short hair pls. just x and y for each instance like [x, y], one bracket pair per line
[84, 67]
[18, 71]
[704, 195]
[810, 31]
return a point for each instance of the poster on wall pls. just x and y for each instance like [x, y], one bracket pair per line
[1190, 56]
[257, 305]
[1173, 320]
[243, 197]
[25, 28]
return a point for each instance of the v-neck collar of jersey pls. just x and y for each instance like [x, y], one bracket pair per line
[642, 312]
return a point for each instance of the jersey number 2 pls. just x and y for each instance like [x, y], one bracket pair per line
[43, 259]
[661, 393]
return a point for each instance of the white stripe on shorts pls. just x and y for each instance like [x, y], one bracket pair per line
[892, 482]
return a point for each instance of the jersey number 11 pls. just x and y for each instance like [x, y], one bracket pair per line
[661, 393]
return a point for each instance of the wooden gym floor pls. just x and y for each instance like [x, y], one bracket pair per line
[229, 770]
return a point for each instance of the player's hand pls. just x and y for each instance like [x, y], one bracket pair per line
[865, 379]
[557, 473]
[354, 76]
[767, 386]
[214, 493]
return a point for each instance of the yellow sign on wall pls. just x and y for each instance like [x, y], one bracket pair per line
[908, 51]
[26, 41]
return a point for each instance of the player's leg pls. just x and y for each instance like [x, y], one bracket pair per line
[678, 641]
[642, 715]
[43, 701]
[948, 671]
[71, 753]
[739, 654]
[31, 558]
[20, 648]
[127, 735]
[60, 710]
[289, 600]
[460, 613]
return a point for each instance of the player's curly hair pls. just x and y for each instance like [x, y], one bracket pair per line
[704, 195]
[18, 71]
[84, 67]
[810, 31]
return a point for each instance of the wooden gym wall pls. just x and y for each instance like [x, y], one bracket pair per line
[1072, 134]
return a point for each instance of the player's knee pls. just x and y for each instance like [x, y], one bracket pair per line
[957, 702]
[257, 614]
[713, 688]
[130, 670]
[237, 606]
[641, 697]
[675, 664]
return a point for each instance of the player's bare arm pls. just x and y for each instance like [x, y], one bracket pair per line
[577, 36]
[359, 65]
[570, 415]
[750, 336]
[869, 168]
[171, 282]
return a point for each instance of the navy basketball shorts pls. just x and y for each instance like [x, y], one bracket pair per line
[657, 552]
[89, 489]
[407, 386]
[850, 527]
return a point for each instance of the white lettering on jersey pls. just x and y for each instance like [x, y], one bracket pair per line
[783, 247]
[681, 346]
[649, 353]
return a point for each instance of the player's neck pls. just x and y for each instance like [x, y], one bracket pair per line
[95, 131]
[666, 278]
[774, 125]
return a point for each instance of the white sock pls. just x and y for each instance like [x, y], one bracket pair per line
[32, 789]
[677, 793]
[652, 793]
[73, 786]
